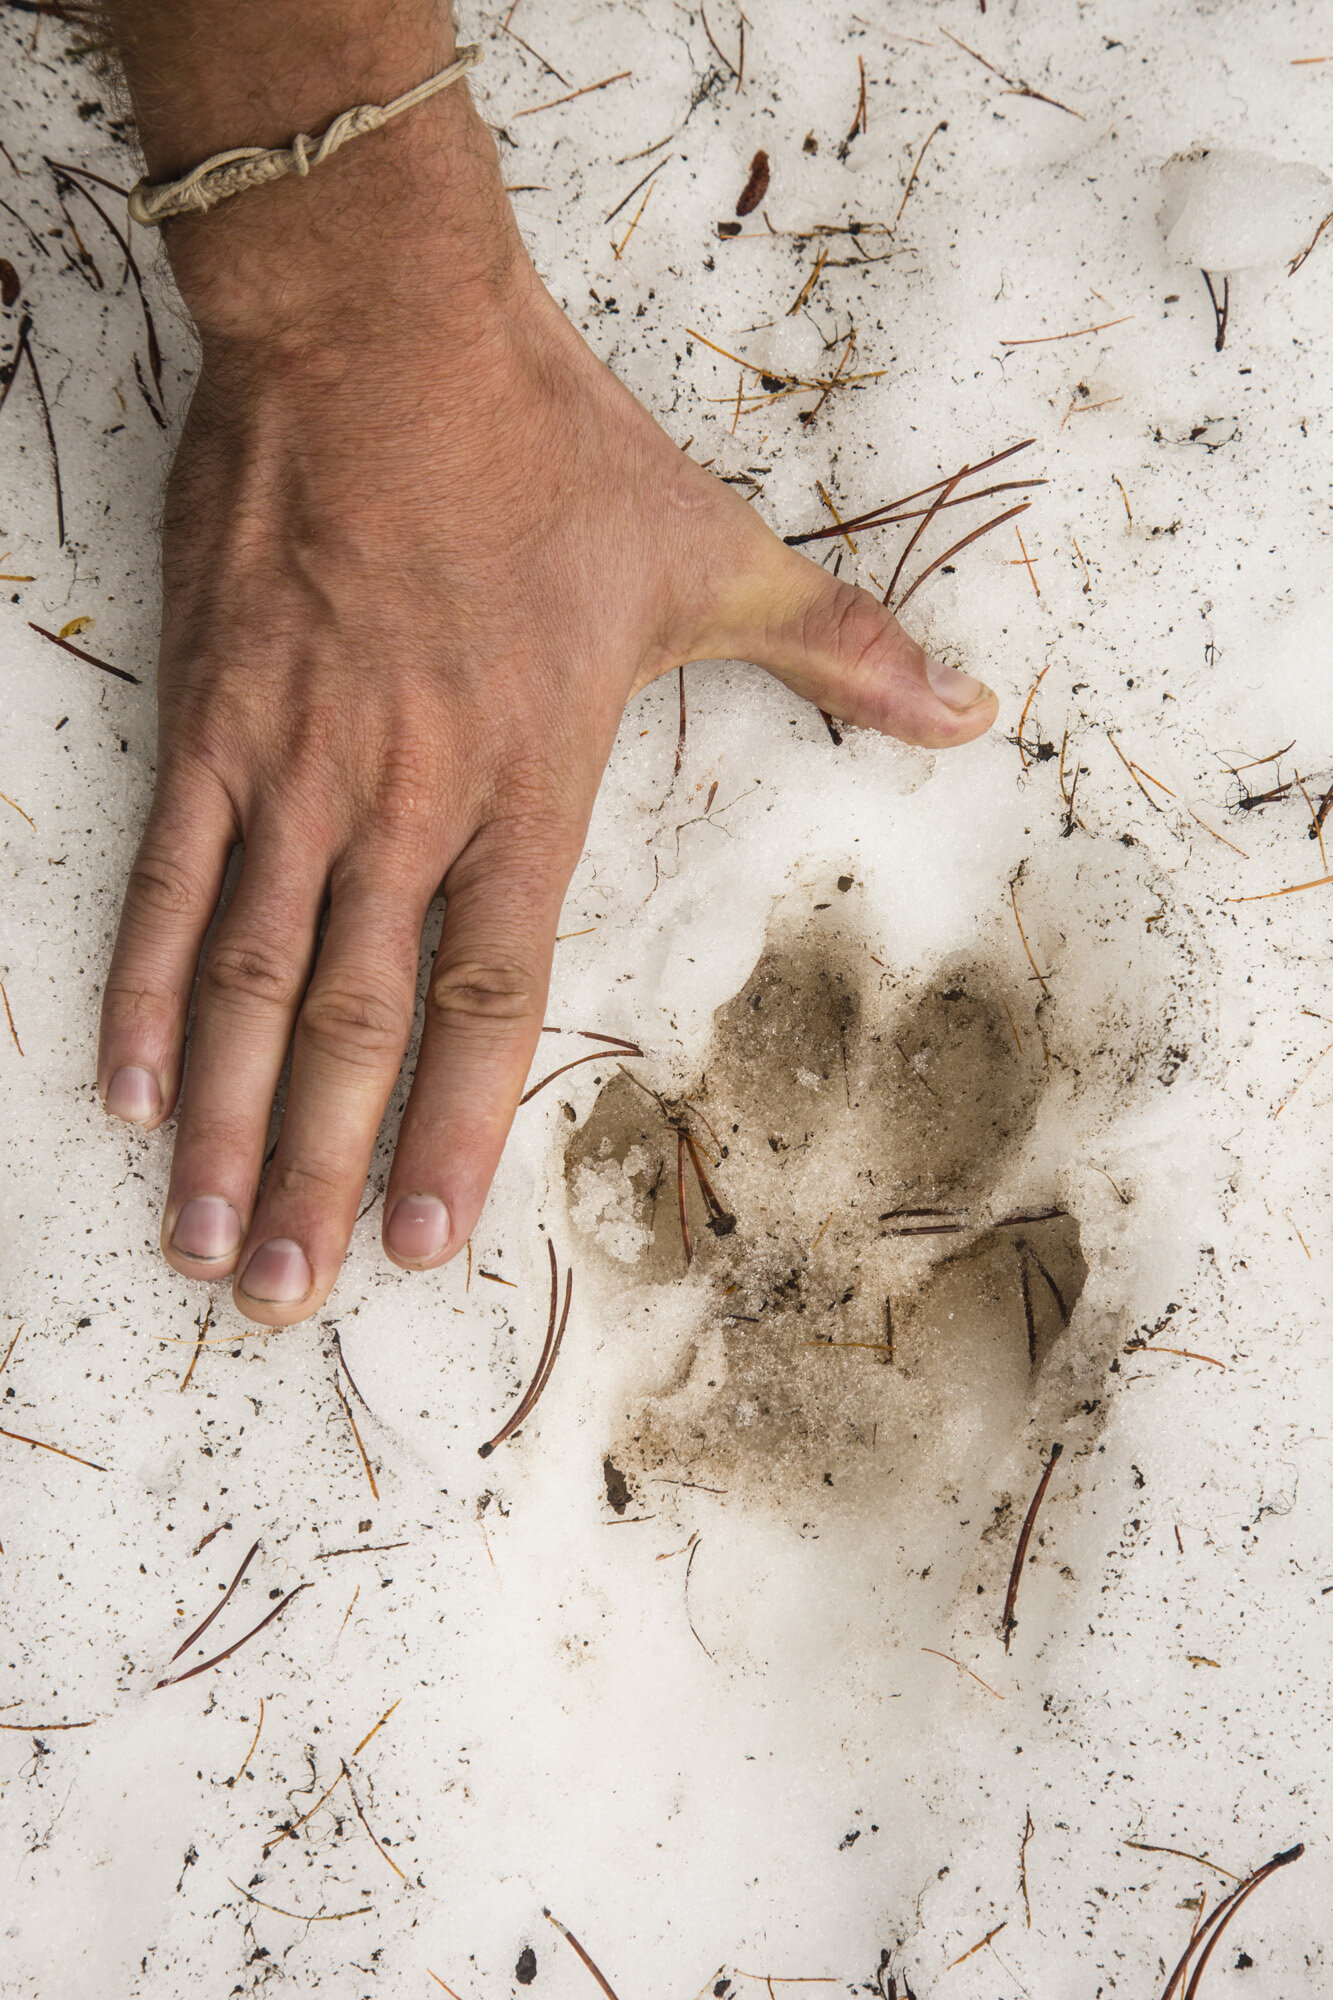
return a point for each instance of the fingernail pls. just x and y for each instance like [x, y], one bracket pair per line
[208, 1228]
[133, 1094]
[959, 690]
[418, 1228]
[277, 1274]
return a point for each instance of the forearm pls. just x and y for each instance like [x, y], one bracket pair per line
[416, 207]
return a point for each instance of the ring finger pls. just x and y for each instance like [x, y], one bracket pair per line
[249, 993]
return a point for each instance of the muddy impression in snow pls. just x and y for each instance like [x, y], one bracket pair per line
[899, 1265]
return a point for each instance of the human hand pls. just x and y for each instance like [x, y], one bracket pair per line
[419, 550]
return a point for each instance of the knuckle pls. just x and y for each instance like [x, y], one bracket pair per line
[250, 974]
[161, 887]
[349, 1022]
[137, 1003]
[299, 1181]
[850, 625]
[473, 992]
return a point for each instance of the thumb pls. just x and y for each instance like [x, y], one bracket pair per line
[840, 648]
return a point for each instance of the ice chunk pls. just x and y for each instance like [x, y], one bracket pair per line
[1229, 211]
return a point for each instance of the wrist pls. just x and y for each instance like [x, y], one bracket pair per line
[408, 222]
[411, 217]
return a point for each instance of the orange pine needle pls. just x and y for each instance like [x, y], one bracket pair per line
[1220, 836]
[1026, 558]
[979, 1946]
[38, 1444]
[366, 1824]
[1026, 946]
[232, 1783]
[1022, 721]
[806, 292]
[943, 126]
[820, 489]
[586, 91]
[379, 1725]
[1294, 890]
[620, 247]
[14, 802]
[1040, 339]
[357, 1435]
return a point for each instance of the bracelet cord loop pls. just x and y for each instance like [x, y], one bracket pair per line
[225, 174]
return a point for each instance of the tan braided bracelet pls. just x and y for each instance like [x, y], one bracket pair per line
[254, 166]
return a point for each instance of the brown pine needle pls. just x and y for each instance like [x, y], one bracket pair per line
[218, 1658]
[366, 1824]
[619, 248]
[1020, 1553]
[225, 1599]
[300, 1916]
[680, 742]
[1145, 1847]
[806, 292]
[12, 1345]
[943, 126]
[198, 1348]
[14, 802]
[360, 1549]
[680, 1197]
[39, 1444]
[1079, 333]
[627, 199]
[439, 1982]
[10, 1018]
[964, 1670]
[245, 1762]
[1028, 1831]
[1022, 720]
[1125, 497]
[586, 91]
[92, 660]
[570, 1938]
[1297, 261]
[941, 500]
[379, 1725]
[596, 1056]
[891, 506]
[1218, 1922]
[1016, 87]
[879, 518]
[357, 1435]
[550, 67]
[981, 1943]
[957, 548]
[549, 1354]
[43, 1728]
[1013, 898]
[1316, 826]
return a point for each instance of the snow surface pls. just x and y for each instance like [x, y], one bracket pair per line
[705, 1730]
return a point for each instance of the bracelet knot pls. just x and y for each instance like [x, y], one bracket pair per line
[225, 174]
